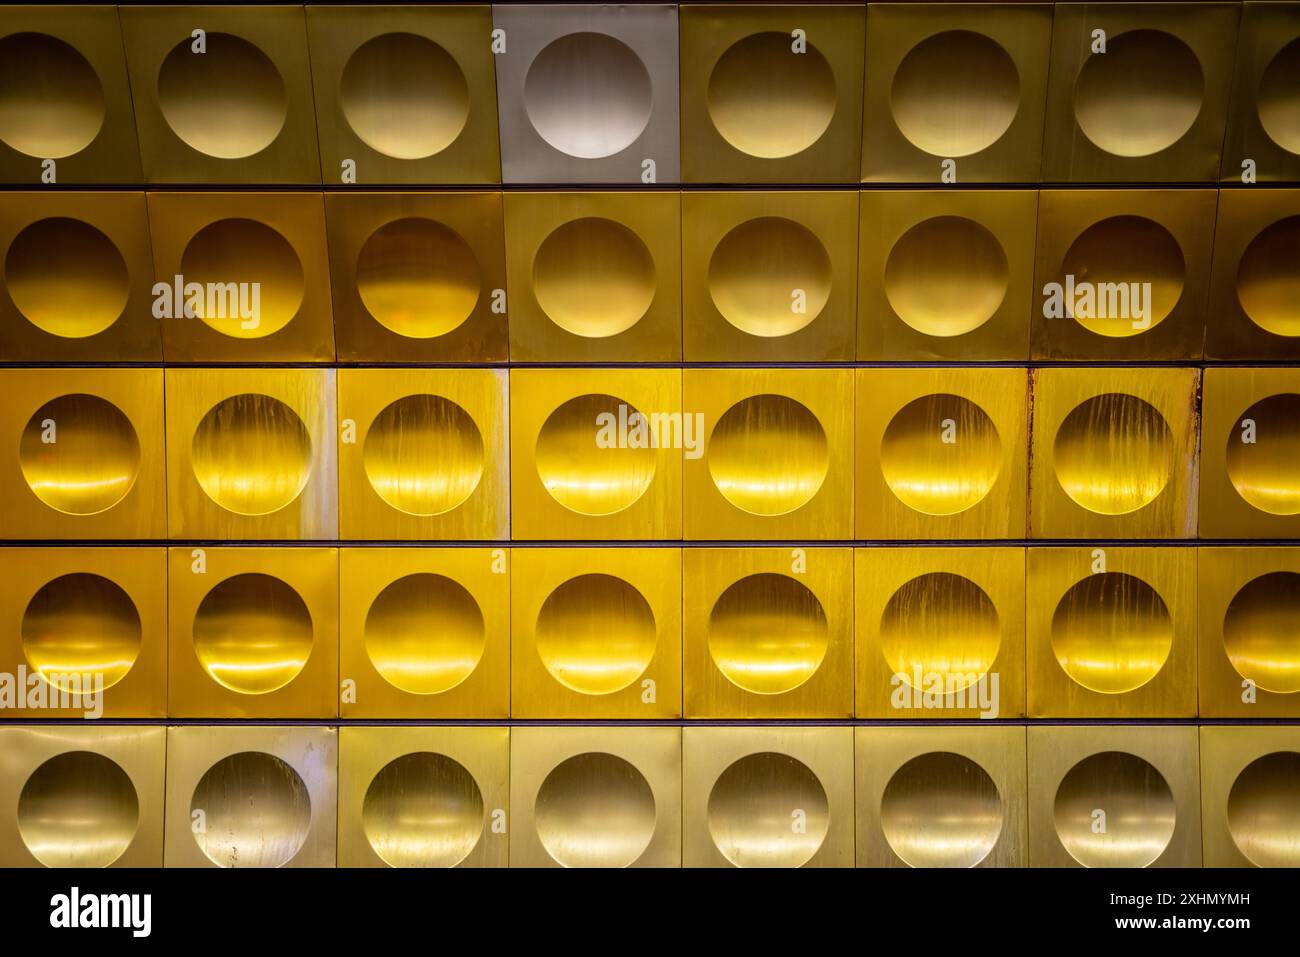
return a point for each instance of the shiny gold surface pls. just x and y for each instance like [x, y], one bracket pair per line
[594, 277]
[750, 808]
[768, 455]
[1127, 250]
[940, 624]
[51, 102]
[595, 810]
[423, 455]
[252, 633]
[66, 277]
[595, 634]
[251, 454]
[1253, 289]
[1139, 810]
[946, 276]
[79, 454]
[941, 810]
[1263, 472]
[79, 624]
[1262, 118]
[754, 268]
[1114, 453]
[1277, 105]
[1266, 284]
[254, 253]
[933, 477]
[579, 474]
[1259, 631]
[424, 634]
[1263, 811]
[1111, 632]
[768, 633]
[256, 808]
[78, 809]
[423, 810]
[418, 278]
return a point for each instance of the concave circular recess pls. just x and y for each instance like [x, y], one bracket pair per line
[422, 810]
[1140, 96]
[595, 634]
[940, 454]
[251, 278]
[51, 102]
[256, 811]
[941, 810]
[1268, 280]
[423, 455]
[940, 627]
[768, 633]
[228, 102]
[418, 278]
[79, 625]
[1264, 810]
[404, 96]
[770, 276]
[754, 808]
[78, 809]
[1135, 800]
[768, 101]
[1278, 98]
[1118, 256]
[252, 633]
[66, 277]
[946, 276]
[1261, 631]
[1113, 454]
[79, 454]
[1111, 632]
[588, 95]
[955, 93]
[1264, 471]
[594, 277]
[579, 473]
[424, 633]
[251, 454]
[768, 455]
[595, 810]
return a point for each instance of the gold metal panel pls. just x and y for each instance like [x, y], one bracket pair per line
[771, 94]
[422, 454]
[955, 89]
[942, 453]
[249, 796]
[595, 277]
[251, 454]
[85, 619]
[424, 633]
[423, 797]
[940, 632]
[254, 633]
[68, 110]
[88, 796]
[1114, 453]
[946, 274]
[941, 796]
[1114, 796]
[1249, 665]
[767, 797]
[84, 454]
[1122, 275]
[239, 110]
[777, 460]
[579, 465]
[418, 277]
[1153, 106]
[1112, 632]
[768, 632]
[405, 94]
[1249, 781]
[596, 796]
[769, 276]
[1262, 127]
[596, 633]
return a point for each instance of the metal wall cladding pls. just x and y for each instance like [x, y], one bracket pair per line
[1262, 139]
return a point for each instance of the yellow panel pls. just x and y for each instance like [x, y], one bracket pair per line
[1249, 780]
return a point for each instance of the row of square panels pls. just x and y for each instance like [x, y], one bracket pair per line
[651, 633]
[195, 796]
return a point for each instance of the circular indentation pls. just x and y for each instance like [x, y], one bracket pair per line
[594, 277]
[249, 278]
[1264, 810]
[768, 455]
[768, 633]
[768, 101]
[404, 96]
[78, 809]
[1278, 98]
[940, 454]
[955, 93]
[1140, 96]
[424, 633]
[251, 454]
[1268, 278]
[1264, 471]
[770, 276]
[1113, 454]
[79, 454]
[941, 810]
[228, 102]
[946, 276]
[595, 810]
[1117, 257]
[754, 807]
[418, 278]
[595, 634]
[588, 95]
[422, 810]
[252, 633]
[256, 811]
[423, 455]
[1113, 809]
[51, 103]
[66, 277]
[78, 625]
[1261, 631]
[940, 627]
[580, 463]
[1111, 632]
